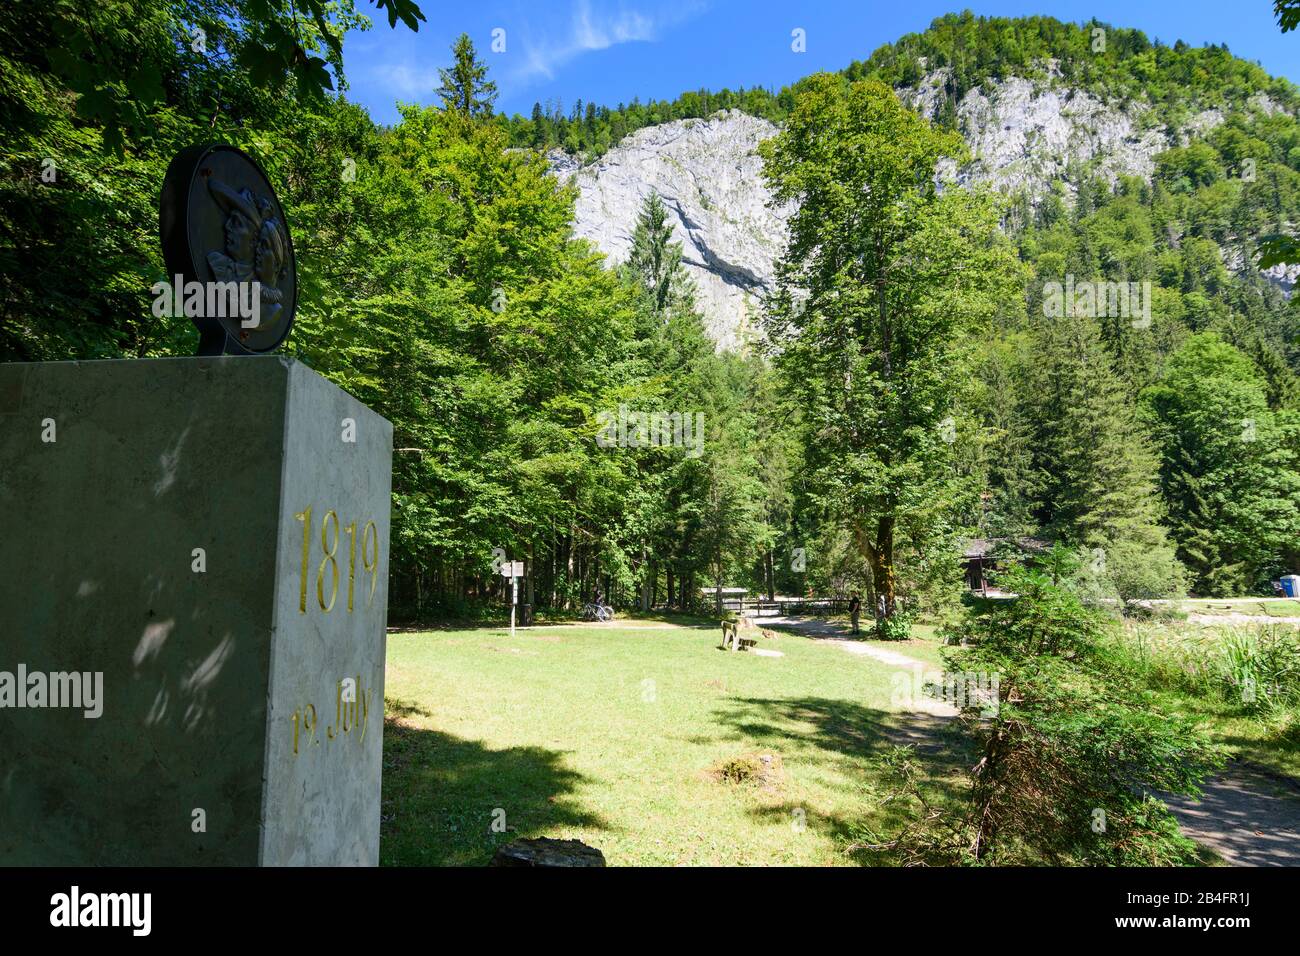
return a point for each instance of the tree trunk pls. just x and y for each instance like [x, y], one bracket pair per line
[647, 581]
[989, 768]
[717, 594]
[880, 556]
[568, 581]
[529, 572]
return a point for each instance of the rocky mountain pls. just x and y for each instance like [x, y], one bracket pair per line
[1024, 135]
[708, 174]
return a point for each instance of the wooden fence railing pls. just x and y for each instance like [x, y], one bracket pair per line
[800, 607]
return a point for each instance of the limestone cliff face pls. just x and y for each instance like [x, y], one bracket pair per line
[1023, 135]
[708, 174]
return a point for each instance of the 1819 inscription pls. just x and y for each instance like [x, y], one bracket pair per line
[329, 545]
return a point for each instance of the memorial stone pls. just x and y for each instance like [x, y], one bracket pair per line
[194, 580]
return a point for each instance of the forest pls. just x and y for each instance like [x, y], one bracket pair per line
[885, 422]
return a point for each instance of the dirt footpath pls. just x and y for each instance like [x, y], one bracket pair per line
[1248, 818]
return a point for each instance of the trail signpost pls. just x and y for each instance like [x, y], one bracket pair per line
[514, 570]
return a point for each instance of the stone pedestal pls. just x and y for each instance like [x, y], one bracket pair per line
[207, 540]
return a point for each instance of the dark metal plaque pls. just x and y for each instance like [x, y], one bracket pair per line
[221, 223]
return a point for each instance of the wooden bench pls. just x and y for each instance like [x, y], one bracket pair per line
[741, 634]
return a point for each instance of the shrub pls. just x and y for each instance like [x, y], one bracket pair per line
[896, 627]
[1260, 669]
[1068, 763]
[1257, 669]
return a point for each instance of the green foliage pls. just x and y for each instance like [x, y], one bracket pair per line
[1278, 251]
[968, 49]
[994, 439]
[465, 87]
[441, 286]
[1288, 14]
[1207, 203]
[1228, 466]
[700, 511]
[594, 130]
[1246, 677]
[1097, 493]
[1129, 65]
[656, 261]
[895, 627]
[1047, 620]
[117, 56]
[1217, 199]
[1261, 670]
[1069, 752]
[438, 283]
[882, 279]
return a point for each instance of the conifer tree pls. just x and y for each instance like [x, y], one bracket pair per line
[465, 87]
[656, 260]
[1228, 466]
[541, 138]
[1096, 468]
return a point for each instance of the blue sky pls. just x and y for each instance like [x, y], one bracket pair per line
[609, 51]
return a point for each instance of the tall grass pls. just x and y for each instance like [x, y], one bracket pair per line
[1255, 668]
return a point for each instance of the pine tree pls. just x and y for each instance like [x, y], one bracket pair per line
[1097, 470]
[541, 136]
[1006, 458]
[656, 260]
[465, 87]
[1228, 466]
[701, 512]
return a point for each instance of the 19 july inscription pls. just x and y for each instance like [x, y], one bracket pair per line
[351, 703]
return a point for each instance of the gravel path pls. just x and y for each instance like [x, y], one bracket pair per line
[837, 634]
[1235, 617]
[1247, 817]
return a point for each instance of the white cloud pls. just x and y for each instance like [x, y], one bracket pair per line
[408, 82]
[590, 30]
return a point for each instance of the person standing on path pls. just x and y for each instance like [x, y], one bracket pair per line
[855, 608]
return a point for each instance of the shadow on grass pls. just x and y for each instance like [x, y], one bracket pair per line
[846, 728]
[442, 794]
[1275, 752]
[845, 736]
[1275, 748]
[701, 622]
[836, 629]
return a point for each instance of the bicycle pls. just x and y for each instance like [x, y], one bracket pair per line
[597, 612]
